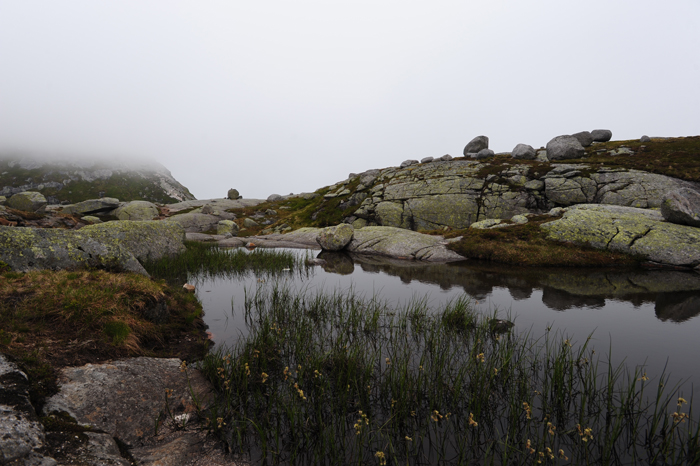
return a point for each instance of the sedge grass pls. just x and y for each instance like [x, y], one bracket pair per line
[336, 378]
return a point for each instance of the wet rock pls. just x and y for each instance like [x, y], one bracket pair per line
[564, 147]
[524, 151]
[137, 210]
[27, 249]
[335, 238]
[233, 194]
[22, 437]
[475, 145]
[27, 201]
[601, 135]
[682, 206]
[147, 240]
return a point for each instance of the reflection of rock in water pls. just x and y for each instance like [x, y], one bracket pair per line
[561, 300]
[677, 307]
[336, 262]
[518, 294]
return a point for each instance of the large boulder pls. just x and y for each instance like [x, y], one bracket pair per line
[146, 240]
[401, 243]
[27, 249]
[484, 154]
[335, 238]
[195, 222]
[28, 201]
[584, 137]
[564, 147]
[601, 135]
[524, 151]
[682, 206]
[475, 145]
[92, 206]
[233, 194]
[628, 229]
[227, 226]
[21, 434]
[137, 210]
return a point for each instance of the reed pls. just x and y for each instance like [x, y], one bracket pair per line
[338, 378]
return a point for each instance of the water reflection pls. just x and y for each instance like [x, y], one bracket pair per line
[675, 294]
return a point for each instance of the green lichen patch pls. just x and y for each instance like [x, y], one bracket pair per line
[527, 245]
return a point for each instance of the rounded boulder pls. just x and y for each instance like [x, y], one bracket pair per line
[137, 210]
[28, 201]
[564, 147]
[335, 238]
[477, 144]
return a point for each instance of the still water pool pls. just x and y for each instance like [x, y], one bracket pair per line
[644, 318]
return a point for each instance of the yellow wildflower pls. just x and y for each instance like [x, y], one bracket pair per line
[472, 422]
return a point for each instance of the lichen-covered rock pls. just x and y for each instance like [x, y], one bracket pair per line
[27, 249]
[485, 224]
[137, 210]
[146, 240]
[250, 223]
[682, 206]
[335, 238]
[400, 243]
[233, 194]
[475, 145]
[565, 147]
[194, 222]
[21, 434]
[28, 201]
[91, 220]
[631, 230]
[227, 226]
[3, 200]
[92, 206]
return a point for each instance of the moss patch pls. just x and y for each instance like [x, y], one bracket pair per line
[527, 245]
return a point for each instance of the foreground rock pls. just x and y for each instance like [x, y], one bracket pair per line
[630, 230]
[27, 249]
[147, 240]
[21, 435]
[682, 206]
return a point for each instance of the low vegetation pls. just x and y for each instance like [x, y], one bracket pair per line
[527, 245]
[333, 378]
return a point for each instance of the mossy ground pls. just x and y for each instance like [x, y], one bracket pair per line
[527, 245]
[52, 319]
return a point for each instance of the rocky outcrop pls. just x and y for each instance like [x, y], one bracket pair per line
[682, 206]
[137, 210]
[22, 437]
[146, 240]
[72, 181]
[631, 230]
[28, 201]
[27, 249]
[335, 238]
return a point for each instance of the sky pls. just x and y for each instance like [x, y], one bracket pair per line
[281, 96]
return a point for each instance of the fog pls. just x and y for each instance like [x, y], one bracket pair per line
[279, 96]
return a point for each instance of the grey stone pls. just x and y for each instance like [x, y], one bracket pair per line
[28, 201]
[126, 398]
[27, 249]
[92, 206]
[195, 222]
[335, 238]
[227, 227]
[207, 209]
[584, 138]
[485, 224]
[601, 135]
[484, 154]
[274, 198]
[250, 223]
[564, 147]
[408, 163]
[21, 434]
[400, 243]
[233, 194]
[445, 158]
[682, 206]
[476, 144]
[622, 151]
[645, 138]
[91, 220]
[426, 160]
[137, 210]
[146, 240]
[519, 219]
[524, 151]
